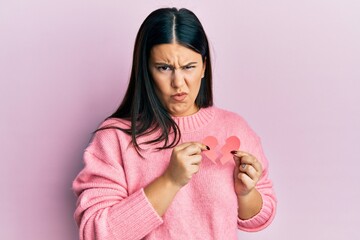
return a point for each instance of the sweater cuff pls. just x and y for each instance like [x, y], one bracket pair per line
[260, 220]
[135, 211]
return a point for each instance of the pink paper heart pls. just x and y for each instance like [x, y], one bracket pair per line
[232, 143]
[212, 143]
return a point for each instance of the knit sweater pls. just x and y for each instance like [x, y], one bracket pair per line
[112, 204]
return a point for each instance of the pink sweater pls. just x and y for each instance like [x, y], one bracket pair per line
[111, 201]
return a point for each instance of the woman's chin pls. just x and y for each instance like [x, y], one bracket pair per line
[182, 111]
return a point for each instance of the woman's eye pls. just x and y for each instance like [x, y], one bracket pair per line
[164, 68]
[189, 67]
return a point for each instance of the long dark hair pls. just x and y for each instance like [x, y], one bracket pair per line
[140, 105]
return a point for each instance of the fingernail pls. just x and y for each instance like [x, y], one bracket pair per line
[243, 165]
[207, 147]
[233, 152]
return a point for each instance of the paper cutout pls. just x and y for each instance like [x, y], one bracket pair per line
[224, 155]
[212, 142]
[232, 143]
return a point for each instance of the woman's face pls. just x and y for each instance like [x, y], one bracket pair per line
[177, 73]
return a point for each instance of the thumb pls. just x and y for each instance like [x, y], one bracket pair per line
[237, 161]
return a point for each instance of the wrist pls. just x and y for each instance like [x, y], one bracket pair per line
[169, 183]
[246, 194]
[249, 204]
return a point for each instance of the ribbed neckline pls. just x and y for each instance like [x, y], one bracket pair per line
[196, 121]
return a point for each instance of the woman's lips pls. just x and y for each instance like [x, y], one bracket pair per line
[179, 97]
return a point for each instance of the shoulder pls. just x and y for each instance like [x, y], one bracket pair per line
[107, 143]
[112, 126]
[109, 135]
[115, 123]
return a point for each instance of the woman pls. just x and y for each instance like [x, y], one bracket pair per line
[148, 173]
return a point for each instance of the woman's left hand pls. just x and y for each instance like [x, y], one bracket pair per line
[247, 172]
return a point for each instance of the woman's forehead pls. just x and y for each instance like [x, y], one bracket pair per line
[173, 52]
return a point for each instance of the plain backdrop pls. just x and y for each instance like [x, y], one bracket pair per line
[291, 68]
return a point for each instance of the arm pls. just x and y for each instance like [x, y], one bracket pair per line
[184, 163]
[104, 204]
[256, 198]
[249, 205]
[161, 193]
[105, 210]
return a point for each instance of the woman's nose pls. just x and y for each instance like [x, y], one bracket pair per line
[177, 78]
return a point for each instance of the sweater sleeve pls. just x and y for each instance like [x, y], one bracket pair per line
[265, 188]
[105, 210]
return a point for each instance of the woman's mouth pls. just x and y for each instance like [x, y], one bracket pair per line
[179, 96]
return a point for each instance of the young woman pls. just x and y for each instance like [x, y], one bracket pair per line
[148, 172]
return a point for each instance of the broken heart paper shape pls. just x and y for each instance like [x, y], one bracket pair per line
[223, 155]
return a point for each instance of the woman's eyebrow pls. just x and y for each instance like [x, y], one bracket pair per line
[190, 63]
[168, 64]
[162, 63]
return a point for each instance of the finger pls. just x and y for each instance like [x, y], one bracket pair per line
[195, 148]
[258, 166]
[251, 160]
[239, 153]
[248, 159]
[202, 146]
[245, 157]
[183, 146]
[195, 159]
[192, 150]
[237, 161]
[250, 171]
[194, 169]
[246, 180]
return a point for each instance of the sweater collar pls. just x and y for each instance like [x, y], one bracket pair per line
[195, 122]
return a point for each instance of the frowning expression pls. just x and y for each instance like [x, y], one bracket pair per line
[177, 72]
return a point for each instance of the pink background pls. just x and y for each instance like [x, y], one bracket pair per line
[291, 68]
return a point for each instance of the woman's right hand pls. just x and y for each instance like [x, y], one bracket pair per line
[184, 162]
